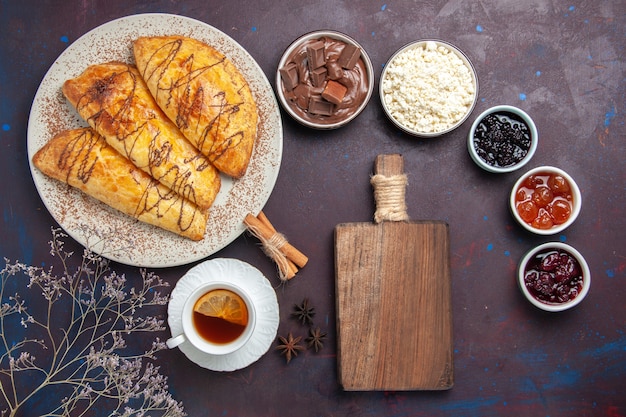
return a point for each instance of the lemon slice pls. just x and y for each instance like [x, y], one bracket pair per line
[224, 304]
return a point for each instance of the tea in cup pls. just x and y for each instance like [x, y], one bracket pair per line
[218, 318]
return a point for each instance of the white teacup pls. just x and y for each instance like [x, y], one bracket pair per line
[192, 335]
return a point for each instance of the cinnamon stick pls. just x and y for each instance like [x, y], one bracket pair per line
[287, 249]
[293, 268]
[263, 219]
[287, 257]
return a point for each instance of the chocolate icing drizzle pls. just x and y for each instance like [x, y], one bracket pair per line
[79, 160]
[115, 113]
[190, 101]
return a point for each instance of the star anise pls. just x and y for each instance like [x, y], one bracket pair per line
[304, 312]
[289, 346]
[315, 339]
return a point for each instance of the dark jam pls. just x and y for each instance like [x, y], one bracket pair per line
[502, 139]
[553, 277]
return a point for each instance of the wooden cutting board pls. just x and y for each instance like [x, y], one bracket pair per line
[393, 289]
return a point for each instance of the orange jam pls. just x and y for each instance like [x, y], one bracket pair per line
[544, 200]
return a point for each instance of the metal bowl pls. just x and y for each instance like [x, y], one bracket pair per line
[425, 101]
[363, 72]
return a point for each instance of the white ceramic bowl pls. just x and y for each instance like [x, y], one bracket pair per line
[546, 247]
[320, 122]
[575, 203]
[419, 105]
[532, 130]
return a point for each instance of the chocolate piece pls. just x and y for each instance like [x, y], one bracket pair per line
[320, 107]
[289, 75]
[334, 92]
[315, 55]
[302, 94]
[308, 93]
[318, 76]
[334, 70]
[349, 56]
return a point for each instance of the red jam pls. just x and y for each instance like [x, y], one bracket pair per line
[544, 200]
[553, 276]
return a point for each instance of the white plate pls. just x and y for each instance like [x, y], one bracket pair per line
[263, 297]
[109, 232]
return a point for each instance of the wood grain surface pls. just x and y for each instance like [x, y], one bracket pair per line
[394, 315]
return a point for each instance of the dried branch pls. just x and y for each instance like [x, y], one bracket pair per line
[74, 343]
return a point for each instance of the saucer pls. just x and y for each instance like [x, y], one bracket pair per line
[262, 294]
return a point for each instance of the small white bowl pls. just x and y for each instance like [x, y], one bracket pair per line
[427, 111]
[546, 247]
[526, 119]
[324, 122]
[575, 203]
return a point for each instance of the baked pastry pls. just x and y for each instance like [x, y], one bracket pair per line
[204, 94]
[83, 159]
[114, 100]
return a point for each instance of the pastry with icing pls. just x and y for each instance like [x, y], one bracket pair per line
[204, 94]
[83, 159]
[115, 101]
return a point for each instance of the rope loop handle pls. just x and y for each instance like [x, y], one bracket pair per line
[389, 194]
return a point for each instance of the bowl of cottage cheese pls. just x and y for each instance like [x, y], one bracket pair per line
[428, 88]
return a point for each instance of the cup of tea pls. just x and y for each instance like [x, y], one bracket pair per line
[218, 318]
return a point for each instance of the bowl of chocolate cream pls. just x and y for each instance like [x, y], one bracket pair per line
[324, 79]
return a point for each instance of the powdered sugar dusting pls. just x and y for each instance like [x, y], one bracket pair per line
[111, 233]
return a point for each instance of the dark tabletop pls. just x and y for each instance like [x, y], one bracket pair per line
[561, 62]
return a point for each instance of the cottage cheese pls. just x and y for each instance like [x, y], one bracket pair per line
[428, 88]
